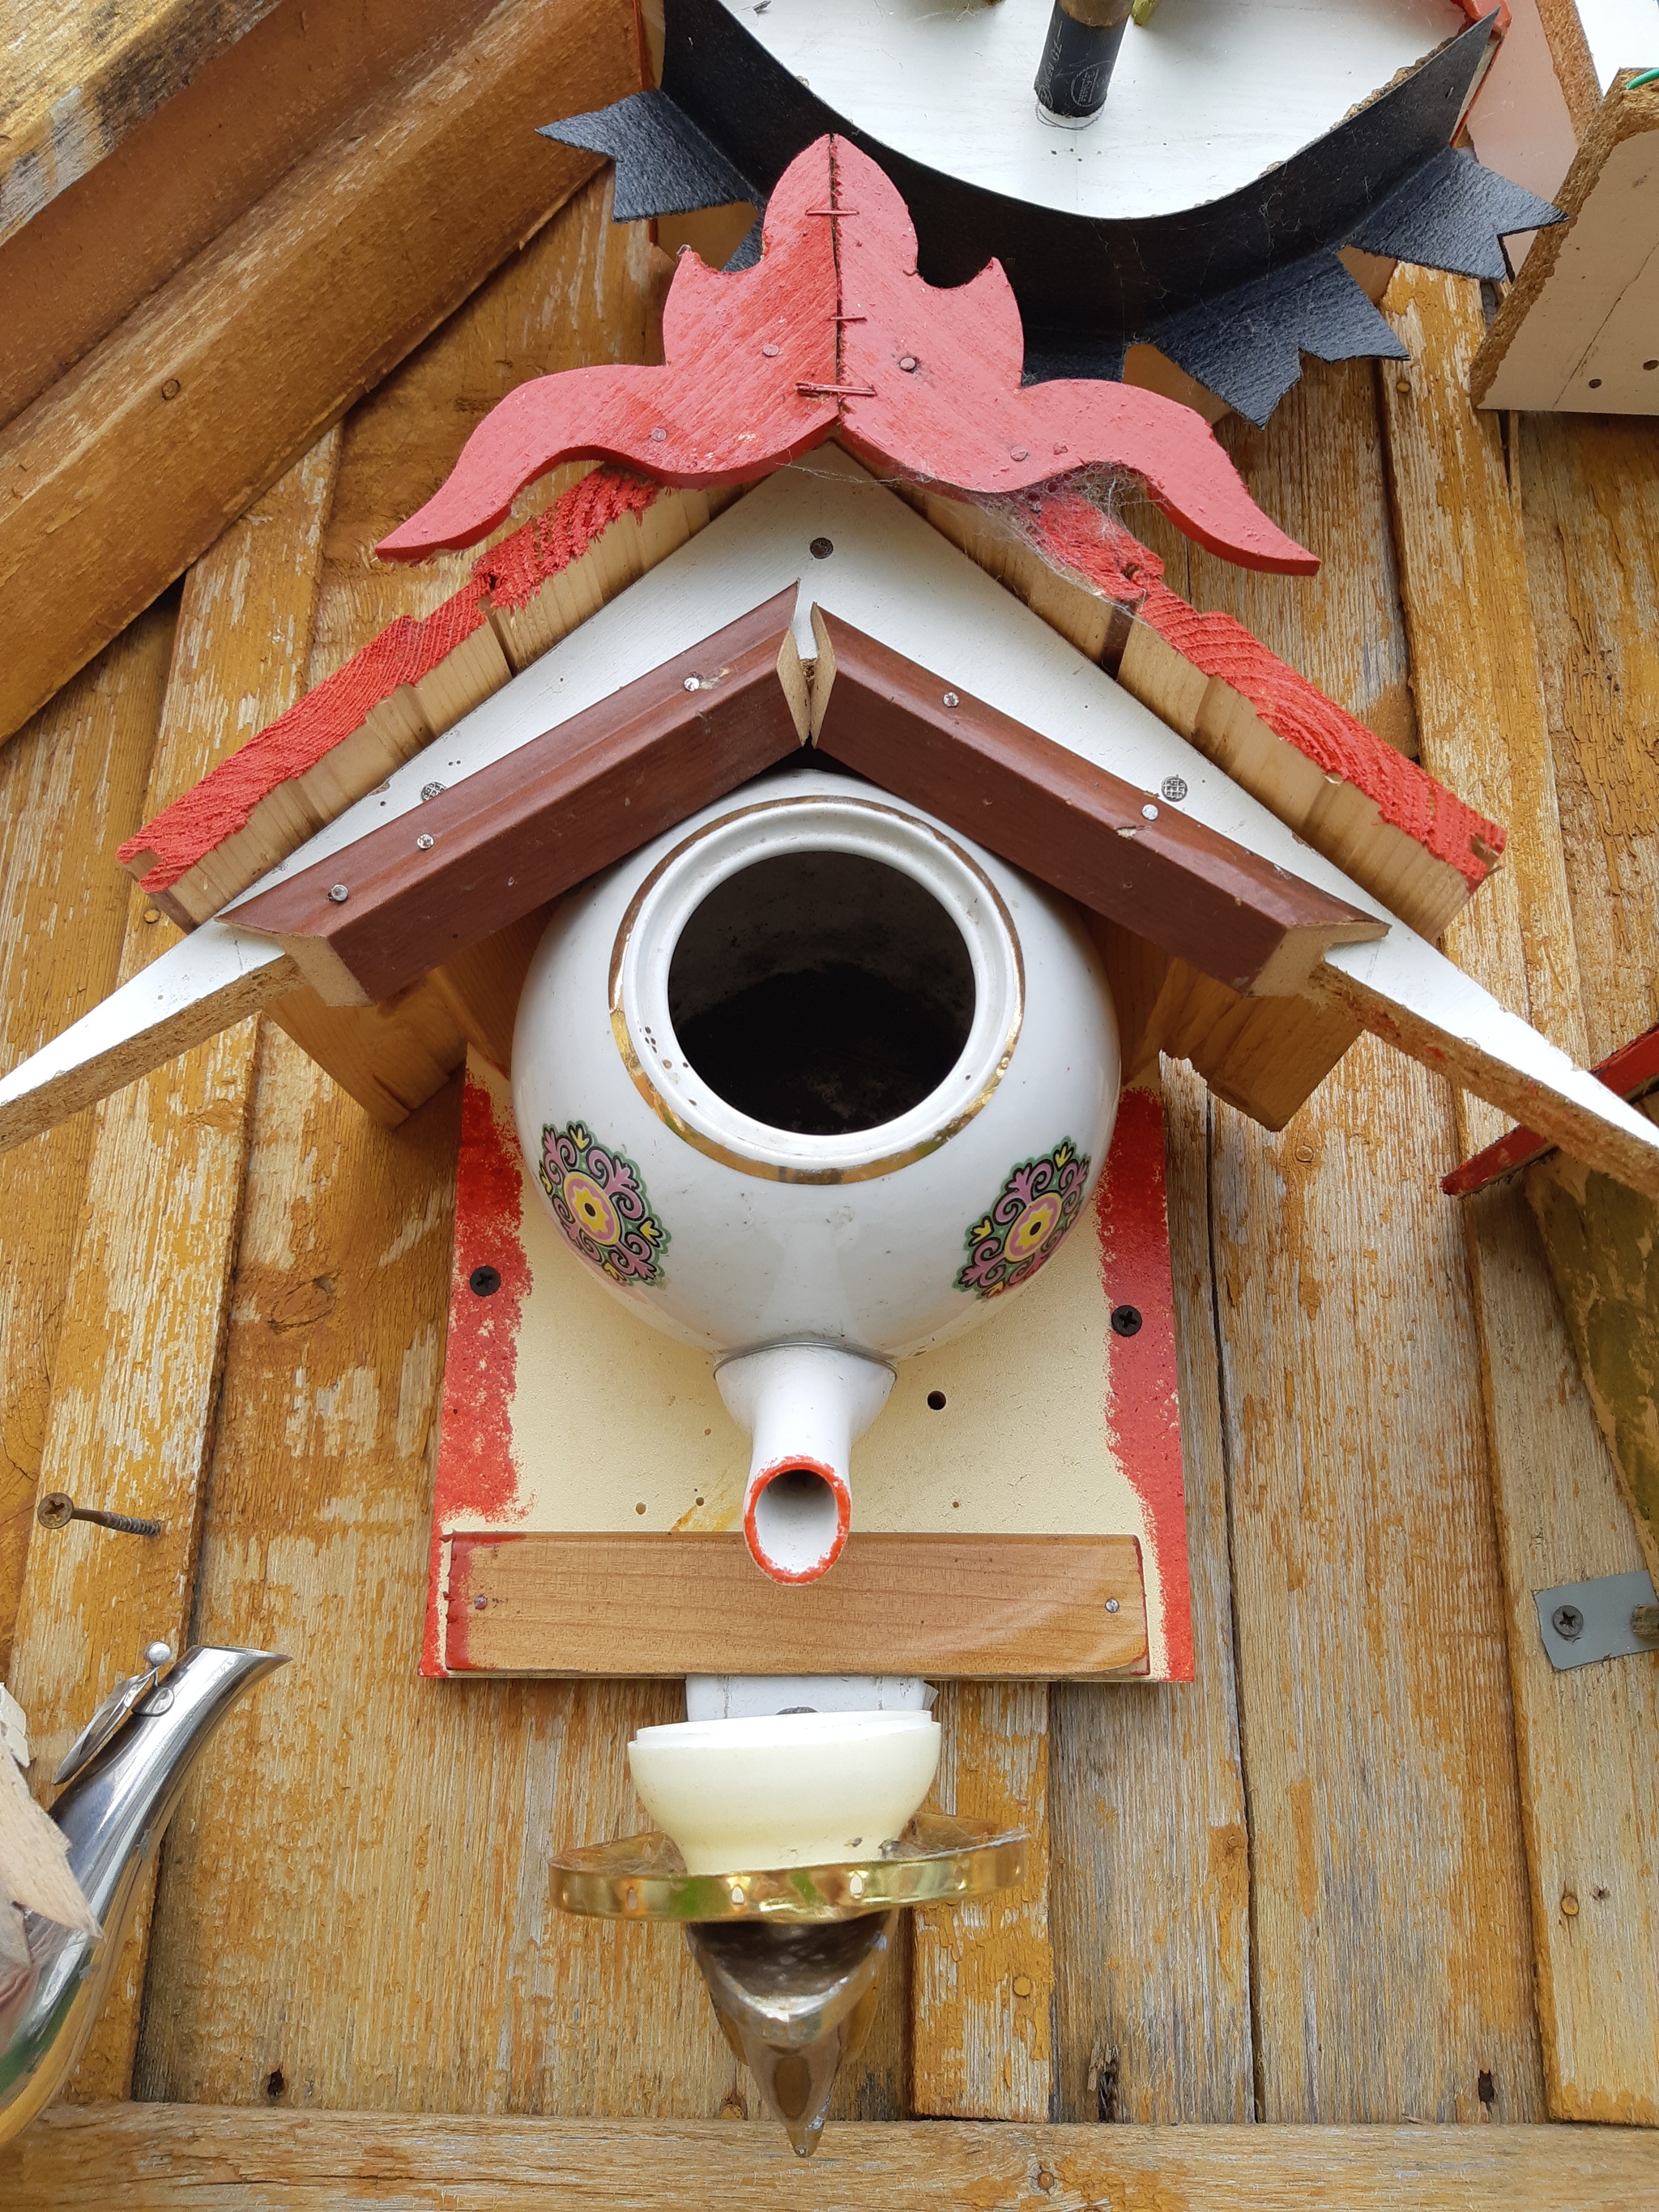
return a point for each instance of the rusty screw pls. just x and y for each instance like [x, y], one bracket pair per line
[57, 1509]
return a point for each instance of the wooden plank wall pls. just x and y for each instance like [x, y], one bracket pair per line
[1326, 1881]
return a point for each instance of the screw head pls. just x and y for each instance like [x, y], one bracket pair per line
[908, 363]
[821, 548]
[484, 1282]
[430, 790]
[339, 893]
[769, 350]
[55, 1510]
[172, 388]
[1019, 454]
[1111, 1605]
[659, 436]
[479, 1603]
[425, 842]
[1149, 813]
[1568, 1623]
[949, 699]
[1174, 789]
[1126, 1321]
[158, 1654]
[692, 683]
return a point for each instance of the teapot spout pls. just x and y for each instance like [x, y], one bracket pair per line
[113, 1812]
[803, 1406]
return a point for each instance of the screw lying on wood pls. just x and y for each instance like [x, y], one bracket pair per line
[56, 1510]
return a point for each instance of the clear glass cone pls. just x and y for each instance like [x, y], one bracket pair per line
[794, 2003]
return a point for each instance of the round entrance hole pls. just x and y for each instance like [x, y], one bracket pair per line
[822, 993]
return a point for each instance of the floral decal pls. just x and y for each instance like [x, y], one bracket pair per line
[1033, 1211]
[600, 1201]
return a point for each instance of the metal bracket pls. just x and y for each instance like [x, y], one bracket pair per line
[1584, 1621]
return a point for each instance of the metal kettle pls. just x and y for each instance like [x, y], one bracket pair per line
[124, 1777]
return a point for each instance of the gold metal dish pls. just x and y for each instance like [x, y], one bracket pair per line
[939, 1860]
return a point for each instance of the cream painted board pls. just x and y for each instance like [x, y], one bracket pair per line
[1582, 343]
[614, 1427]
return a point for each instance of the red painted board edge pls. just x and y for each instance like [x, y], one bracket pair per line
[475, 1445]
[1072, 533]
[505, 578]
[1144, 1406]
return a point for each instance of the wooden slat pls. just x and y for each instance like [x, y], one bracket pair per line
[1387, 1879]
[505, 841]
[133, 462]
[1588, 1787]
[983, 1994]
[69, 788]
[656, 1603]
[1591, 506]
[355, 1910]
[135, 1386]
[188, 2158]
[1150, 1885]
[1201, 897]
[79, 79]
[169, 186]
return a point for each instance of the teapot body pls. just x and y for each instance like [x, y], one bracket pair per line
[813, 1068]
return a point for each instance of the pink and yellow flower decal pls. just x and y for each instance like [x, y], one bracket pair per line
[1034, 1209]
[600, 1199]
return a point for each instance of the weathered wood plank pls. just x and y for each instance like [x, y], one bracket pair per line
[1150, 1875]
[132, 462]
[355, 1906]
[169, 2158]
[72, 786]
[175, 181]
[1587, 1784]
[79, 79]
[983, 1987]
[134, 1384]
[354, 1910]
[1590, 499]
[1387, 1880]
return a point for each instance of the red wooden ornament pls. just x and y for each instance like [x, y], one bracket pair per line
[833, 330]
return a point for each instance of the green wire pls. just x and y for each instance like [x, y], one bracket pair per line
[1647, 76]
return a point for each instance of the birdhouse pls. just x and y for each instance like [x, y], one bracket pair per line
[809, 832]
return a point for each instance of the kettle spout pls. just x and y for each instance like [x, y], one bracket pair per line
[803, 1406]
[113, 1812]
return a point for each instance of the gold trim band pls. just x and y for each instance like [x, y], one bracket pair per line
[773, 1170]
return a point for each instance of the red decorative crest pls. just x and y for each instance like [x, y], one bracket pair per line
[833, 330]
